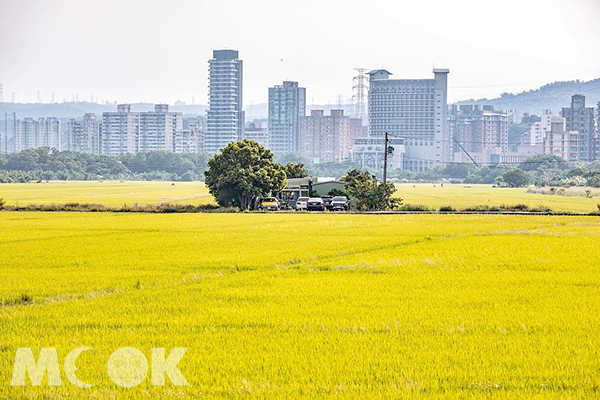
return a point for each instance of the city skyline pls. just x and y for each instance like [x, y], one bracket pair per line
[319, 47]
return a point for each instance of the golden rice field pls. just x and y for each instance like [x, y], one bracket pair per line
[115, 194]
[309, 305]
[464, 195]
[108, 193]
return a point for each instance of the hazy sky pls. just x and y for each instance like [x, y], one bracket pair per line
[157, 50]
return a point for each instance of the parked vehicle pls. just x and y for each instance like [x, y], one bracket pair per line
[327, 200]
[269, 204]
[315, 204]
[339, 203]
[301, 203]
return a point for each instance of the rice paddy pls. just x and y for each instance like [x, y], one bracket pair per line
[308, 305]
[115, 194]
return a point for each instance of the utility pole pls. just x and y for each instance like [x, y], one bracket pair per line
[385, 162]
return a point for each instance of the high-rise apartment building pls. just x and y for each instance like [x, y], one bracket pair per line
[581, 119]
[120, 131]
[49, 132]
[598, 133]
[325, 139]
[415, 110]
[562, 142]
[537, 133]
[185, 141]
[125, 131]
[84, 135]
[225, 116]
[159, 128]
[287, 104]
[195, 126]
[357, 129]
[477, 128]
[30, 133]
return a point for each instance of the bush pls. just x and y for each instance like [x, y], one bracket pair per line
[594, 181]
[541, 209]
[447, 208]
[516, 207]
[2, 203]
[477, 208]
[413, 207]
[148, 208]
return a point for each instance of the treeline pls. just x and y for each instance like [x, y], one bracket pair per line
[49, 164]
[539, 170]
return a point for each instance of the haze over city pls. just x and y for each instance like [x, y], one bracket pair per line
[156, 51]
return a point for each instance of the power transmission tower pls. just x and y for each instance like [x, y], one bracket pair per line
[359, 90]
[1, 94]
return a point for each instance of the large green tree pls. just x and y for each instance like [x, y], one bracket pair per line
[368, 193]
[241, 172]
[515, 178]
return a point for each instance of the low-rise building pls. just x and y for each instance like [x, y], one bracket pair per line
[368, 153]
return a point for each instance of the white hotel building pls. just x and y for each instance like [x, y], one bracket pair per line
[414, 110]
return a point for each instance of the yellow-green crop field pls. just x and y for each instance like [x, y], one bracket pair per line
[464, 195]
[309, 305]
[115, 194]
[108, 193]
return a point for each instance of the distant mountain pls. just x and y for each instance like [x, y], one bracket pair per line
[554, 96]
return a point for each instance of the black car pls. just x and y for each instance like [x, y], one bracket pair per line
[327, 200]
[315, 204]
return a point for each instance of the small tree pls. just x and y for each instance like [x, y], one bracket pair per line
[594, 181]
[242, 172]
[368, 193]
[295, 170]
[515, 178]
